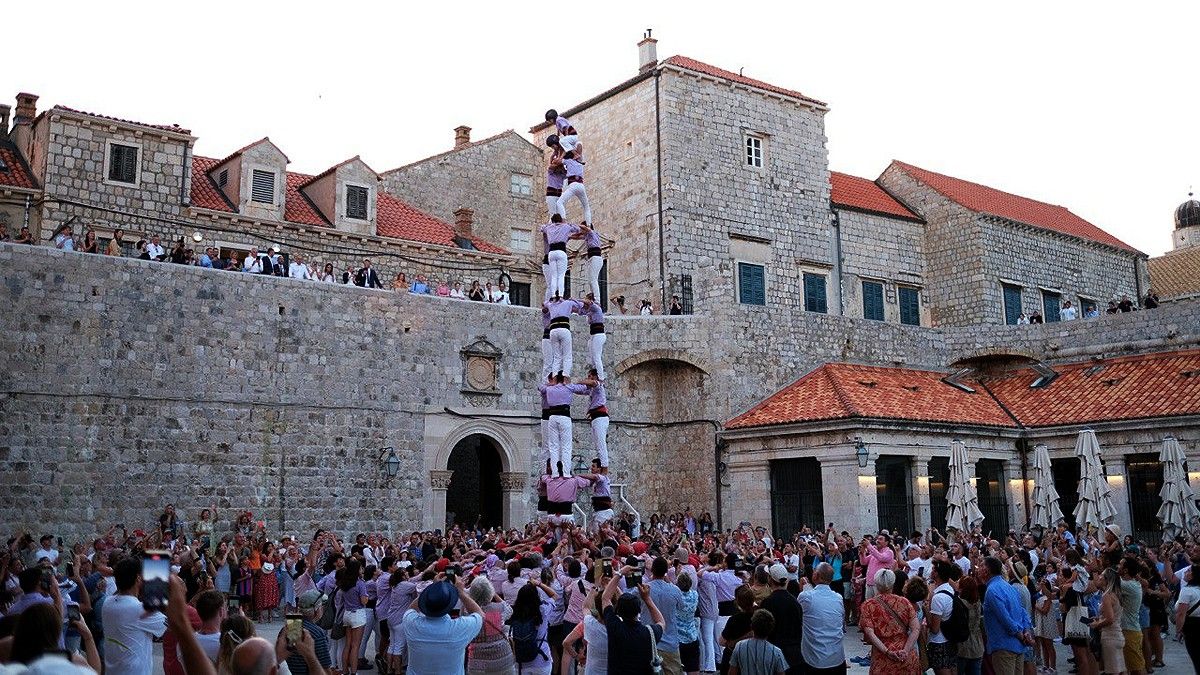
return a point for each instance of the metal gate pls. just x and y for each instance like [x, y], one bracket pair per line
[796, 497]
[1143, 475]
[939, 484]
[893, 493]
[993, 498]
[1066, 483]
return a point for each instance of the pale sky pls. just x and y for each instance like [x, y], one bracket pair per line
[1089, 105]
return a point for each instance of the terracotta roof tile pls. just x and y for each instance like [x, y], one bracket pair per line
[205, 193]
[713, 71]
[1176, 273]
[983, 199]
[846, 391]
[175, 128]
[13, 169]
[395, 218]
[296, 206]
[1133, 387]
[866, 195]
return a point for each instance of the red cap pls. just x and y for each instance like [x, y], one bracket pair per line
[639, 547]
[501, 546]
[624, 550]
[694, 561]
[442, 564]
[139, 533]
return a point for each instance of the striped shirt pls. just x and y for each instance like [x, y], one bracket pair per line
[755, 656]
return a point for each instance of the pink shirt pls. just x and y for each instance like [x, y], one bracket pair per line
[564, 489]
[878, 560]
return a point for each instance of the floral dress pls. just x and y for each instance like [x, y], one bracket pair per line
[266, 590]
[890, 632]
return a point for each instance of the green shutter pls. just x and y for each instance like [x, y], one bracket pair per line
[910, 306]
[752, 288]
[814, 293]
[872, 292]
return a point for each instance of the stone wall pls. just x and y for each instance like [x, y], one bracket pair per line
[479, 177]
[878, 248]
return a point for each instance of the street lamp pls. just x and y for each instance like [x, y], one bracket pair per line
[389, 464]
[860, 452]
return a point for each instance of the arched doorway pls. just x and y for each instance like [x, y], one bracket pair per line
[474, 494]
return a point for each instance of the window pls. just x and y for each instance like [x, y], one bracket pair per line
[752, 288]
[521, 185]
[685, 292]
[122, 163]
[602, 281]
[1051, 304]
[520, 240]
[814, 293]
[518, 293]
[910, 306]
[262, 187]
[1086, 306]
[1012, 303]
[356, 201]
[223, 178]
[754, 152]
[567, 284]
[872, 292]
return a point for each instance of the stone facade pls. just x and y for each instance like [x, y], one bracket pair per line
[480, 175]
[877, 248]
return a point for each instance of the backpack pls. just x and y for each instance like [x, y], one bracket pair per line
[327, 613]
[956, 628]
[526, 645]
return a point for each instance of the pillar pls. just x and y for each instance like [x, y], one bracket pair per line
[1014, 487]
[922, 513]
[1114, 467]
[848, 495]
[748, 495]
[515, 508]
[435, 516]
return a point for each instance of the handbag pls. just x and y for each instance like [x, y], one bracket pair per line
[655, 659]
[339, 627]
[1073, 627]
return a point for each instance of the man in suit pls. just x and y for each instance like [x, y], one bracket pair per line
[366, 276]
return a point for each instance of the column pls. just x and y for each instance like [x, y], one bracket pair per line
[748, 497]
[516, 508]
[1115, 468]
[848, 494]
[435, 515]
[1014, 487]
[922, 514]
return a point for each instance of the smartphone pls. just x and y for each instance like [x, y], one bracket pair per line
[452, 572]
[47, 578]
[295, 624]
[70, 569]
[73, 613]
[606, 567]
[635, 578]
[60, 542]
[233, 602]
[156, 578]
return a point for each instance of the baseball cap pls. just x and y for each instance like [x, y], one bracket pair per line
[437, 599]
[310, 599]
[639, 547]
[624, 550]
[778, 572]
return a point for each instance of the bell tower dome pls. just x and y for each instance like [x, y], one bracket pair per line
[1187, 223]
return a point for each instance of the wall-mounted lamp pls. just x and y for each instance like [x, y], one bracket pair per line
[860, 452]
[389, 463]
[197, 237]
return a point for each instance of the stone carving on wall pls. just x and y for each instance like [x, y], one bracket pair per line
[440, 480]
[481, 373]
[512, 481]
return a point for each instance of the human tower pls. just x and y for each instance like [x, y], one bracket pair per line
[558, 488]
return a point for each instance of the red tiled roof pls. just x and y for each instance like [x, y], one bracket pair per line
[861, 193]
[1176, 273]
[713, 71]
[205, 193]
[398, 219]
[296, 206]
[175, 128]
[983, 199]
[1126, 388]
[846, 391]
[14, 172]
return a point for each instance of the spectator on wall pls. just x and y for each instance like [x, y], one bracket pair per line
[443, 289]
[326, 275]
[1091, 312]
[1112, 307]
[400, 283]
[24, 236]
[252, 263]
[1035, 317]
[1068, 312]
[3, 231]
[114, 244]
[1126, 305]
[476, 292]
[298, 270]
[366, 277]
[154, 249]
[646, 308]
[456, 293]
[500, 295]
[90, 245]
[1151, 300]
[676, 306]
[179, 252]
[64, 239]
[420, 286]
[619, 301]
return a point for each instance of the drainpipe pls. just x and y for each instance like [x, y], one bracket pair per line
[1137, 281]
[1023, 448]
[837, 259]
[184, 197]
[719, 446]
[662, 254]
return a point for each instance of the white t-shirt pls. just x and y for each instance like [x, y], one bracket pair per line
[942, 605]
[1188, 596]
[964, 563]
[596, 635]
[918, 567]
[209, 642]
[52, 554]
[128, 633]
[1067, 313]
[298, 271]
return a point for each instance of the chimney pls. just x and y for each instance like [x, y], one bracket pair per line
[26, 109]
[5, 111]
[462, 136]
[647, 52]
[462, 222]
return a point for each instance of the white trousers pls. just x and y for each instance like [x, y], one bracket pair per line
[557, 278]
[708, 644]
[547, 357]
[553, 207]
[546, 276]
[561, 445]
[560, 344]
[577, 191]
[600, 439]
[596, 352]
[595, 264]
[599, 518]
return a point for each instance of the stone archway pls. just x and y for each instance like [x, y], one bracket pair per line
[474, 494]
[483, 455]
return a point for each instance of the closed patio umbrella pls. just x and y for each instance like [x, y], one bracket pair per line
[1095, 508]
[1178, 511]
[962, 502]
[1046, 511]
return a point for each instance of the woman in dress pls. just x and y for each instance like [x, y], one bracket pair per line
[266, 583]
[400, 283]
[1045, 625]
[167, 521]
[490, 651]
[327, 276]
[222, 574]
[1112, 640]
[203, 528]
[889, 623]
[476, 292]
[244, 584]
[287, 577]
[970, 652]
[90, 245]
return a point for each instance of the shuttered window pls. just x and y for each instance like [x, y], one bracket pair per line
[1051, 304]
[262, 187]
[223, 178]
[814, 293]
[356, 201]
[122, 163]
[910, 306]
[1012, 303]
[872, 294]
[752, 288]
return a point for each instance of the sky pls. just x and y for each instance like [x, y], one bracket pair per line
[1088, 105]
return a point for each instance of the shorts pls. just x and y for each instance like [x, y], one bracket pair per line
[354, 618]
[558, 632]
[397, 643]
[942, 655]
[689, 656]
[601, 517]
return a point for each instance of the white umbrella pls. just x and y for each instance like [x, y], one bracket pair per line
[1178, 510]
[1095, 507]
[1046, 511]
[962, 503]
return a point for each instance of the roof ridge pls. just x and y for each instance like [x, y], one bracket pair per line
[839, 391]
[686, 62]
[978, 184]
[173, 128]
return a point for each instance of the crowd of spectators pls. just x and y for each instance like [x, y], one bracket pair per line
[1068, 312]
[675, 594]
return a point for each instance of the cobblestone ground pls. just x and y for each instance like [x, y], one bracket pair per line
[1175, 655]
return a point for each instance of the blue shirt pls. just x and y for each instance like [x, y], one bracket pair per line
[689, 623]
[420, 288]
[669, 600]
[1004, 619]
[438, 646]
[205, 261]
[821, 639]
